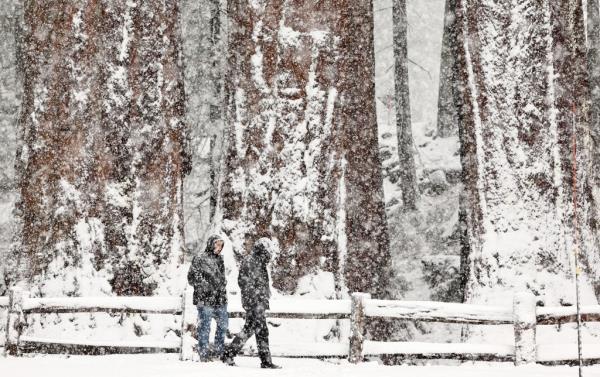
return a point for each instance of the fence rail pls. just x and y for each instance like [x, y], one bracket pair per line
[453, 351]
[524, 316]
[567, 314]
[425, 311]
[148, 305]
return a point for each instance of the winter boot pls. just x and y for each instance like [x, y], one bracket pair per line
[227, 359]
[269, 365]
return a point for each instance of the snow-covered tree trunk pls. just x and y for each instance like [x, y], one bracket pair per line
[368, 255]
[302, 161]
[526, 149]
[447, 118]
[408, 173]
[593, 55]
[217, 105]
[10, 97]
[593, 63]
[203, 24]
[10, 90]
[103, 146]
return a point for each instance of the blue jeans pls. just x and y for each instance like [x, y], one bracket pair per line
[205, 316]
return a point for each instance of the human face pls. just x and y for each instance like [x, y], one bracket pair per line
[248, 245]
[218, 247]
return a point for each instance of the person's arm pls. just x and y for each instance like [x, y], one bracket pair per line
[197, 276]
[265, 281]
[243, 276]
[191, 276]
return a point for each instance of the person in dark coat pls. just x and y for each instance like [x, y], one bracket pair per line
[207, 276]
[254, 284]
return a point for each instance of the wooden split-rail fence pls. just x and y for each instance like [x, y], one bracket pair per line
[524, 317]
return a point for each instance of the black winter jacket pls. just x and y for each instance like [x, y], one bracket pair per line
[253, 278]
[207, 276]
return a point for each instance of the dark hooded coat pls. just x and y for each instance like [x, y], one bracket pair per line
[253, 278]
[207, 276]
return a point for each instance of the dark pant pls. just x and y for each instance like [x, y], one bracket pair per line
[256, 324]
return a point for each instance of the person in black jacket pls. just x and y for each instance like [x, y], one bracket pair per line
[254, 284]
[207, 276]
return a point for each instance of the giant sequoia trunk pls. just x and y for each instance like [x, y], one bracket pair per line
[593, 64]
[103, 146]
[593, 54]
[302, 163]
[526, 150]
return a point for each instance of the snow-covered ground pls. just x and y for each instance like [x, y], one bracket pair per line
[168, 365]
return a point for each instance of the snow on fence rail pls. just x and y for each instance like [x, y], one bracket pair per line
[440, 312]
[567, 314]
[149, 305]
[309, 309]
[454, 351]
[523, 317]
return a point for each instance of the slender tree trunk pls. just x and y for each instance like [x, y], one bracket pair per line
[217, 76]
[103, 146]
[523, 115]
[10, 97]
[366, 226]
[204, 46]
[447, 118]
[302, 160]
[10, 90]
[408, 174]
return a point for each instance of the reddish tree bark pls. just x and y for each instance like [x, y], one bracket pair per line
[525, 149]
[103, 145]
[302, 164]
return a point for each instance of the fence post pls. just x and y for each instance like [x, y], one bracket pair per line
[15, 321]
[188, 324]
[524, 315]
[357, 326]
